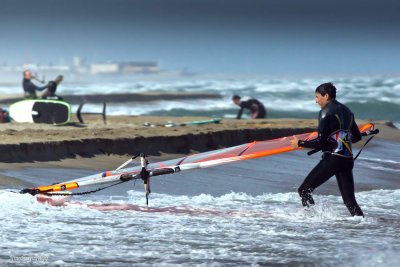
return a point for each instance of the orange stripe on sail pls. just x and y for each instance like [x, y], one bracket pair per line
[366, 127]
[269, 152]
[58, 187]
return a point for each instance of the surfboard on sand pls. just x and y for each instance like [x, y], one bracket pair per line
[41, 111]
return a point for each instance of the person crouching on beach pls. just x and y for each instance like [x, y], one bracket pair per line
[256, 108]
[337, 130]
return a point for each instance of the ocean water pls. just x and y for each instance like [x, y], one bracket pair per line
[370, 97]
[242, 214]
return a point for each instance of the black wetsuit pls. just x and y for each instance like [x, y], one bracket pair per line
[256, 107]
[50, 93]
[30, 88]
[336, 131]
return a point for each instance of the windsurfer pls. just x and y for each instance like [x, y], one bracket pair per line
[337, 130]
[256, 107]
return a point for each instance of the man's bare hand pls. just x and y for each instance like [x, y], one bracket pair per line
[294, 142]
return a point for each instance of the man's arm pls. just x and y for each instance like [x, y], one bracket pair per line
[355, 132]
[322, 139]
[41, 88]
[314, 144]
[239, 114]
[31, 87]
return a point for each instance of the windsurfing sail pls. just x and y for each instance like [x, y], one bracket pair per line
[256, 149]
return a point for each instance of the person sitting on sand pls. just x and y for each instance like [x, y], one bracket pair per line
[256, 108]
[30, 88]
[337, 130]
[51, 89]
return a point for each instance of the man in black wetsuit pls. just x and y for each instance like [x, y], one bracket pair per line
[256, 107]
[29, 87]
[337, 130]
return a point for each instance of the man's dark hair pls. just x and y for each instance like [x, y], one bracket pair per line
[327, 88]
[235, 97]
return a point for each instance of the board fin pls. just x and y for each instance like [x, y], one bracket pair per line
[79, 113]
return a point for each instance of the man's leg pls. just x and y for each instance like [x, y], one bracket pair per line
[260, 114]
[319, 175]
[29, 95]
[46, 94]
[346, 186]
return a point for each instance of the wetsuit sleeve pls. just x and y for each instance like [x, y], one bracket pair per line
[239, 114]
[314, 144]
[31, 87]
[41, 88]
[355, 132]
[322, 140]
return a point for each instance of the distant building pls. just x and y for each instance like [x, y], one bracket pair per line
[76, 62]
[81, 67]
[104, 68]
[37, 67]
[51, 67]
[139, 67]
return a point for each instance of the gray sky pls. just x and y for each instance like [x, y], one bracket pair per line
[249, 36]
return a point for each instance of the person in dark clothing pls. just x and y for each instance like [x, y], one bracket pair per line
[29, 87]
[337, 130]
[256, 108]
[4, 116]
[50, 93]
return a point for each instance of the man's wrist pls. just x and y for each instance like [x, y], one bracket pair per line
[301, 143]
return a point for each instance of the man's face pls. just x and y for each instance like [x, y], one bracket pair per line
[27, 75]
[236, 101]
[321, 100]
